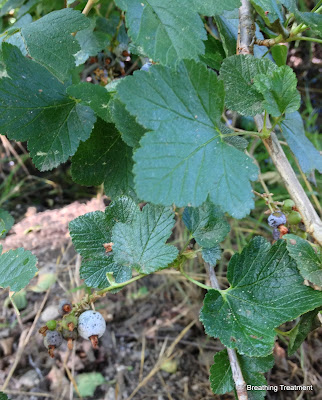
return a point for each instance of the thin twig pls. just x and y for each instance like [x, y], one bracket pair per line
[310, 217]
[238, 378]
[88, 7]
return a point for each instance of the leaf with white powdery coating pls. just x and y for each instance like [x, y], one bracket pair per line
[237, 73]
[206, 224]
[105, 158]
[266, 291]
[308, 156]
[309, 261]
[162, 29]
[17, 268]
[186, 159]
[279, 91]
[141, 244]
[34, 107]
[49, 40]
[221, 378]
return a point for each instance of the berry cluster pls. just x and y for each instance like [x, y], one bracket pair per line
[290, 216]
[89, 325]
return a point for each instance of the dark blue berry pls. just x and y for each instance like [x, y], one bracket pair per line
[276, 219]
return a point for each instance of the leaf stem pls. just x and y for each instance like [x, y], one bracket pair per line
[317, 6]
[193, 280]
[306, 38]
[115, 286]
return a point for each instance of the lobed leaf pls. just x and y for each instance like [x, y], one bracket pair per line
[211, 255]
[279, 91]
[141, 244]
[162, 29]
[34, 107]
[238, 73]
[186, 157]
[266, 291]
[49, 41]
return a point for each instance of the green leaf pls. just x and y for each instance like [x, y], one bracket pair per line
[141, 244]
[7, 222]
[91, 43]
[186, 159]
[20, 299]
[307, 323]
[269, 10]
[3, 396]
[34, 107]
[227, 25]
[88, 382]
[313, 20]
[279, 53]
[162, 29]
[215, 7]
[131, 131]
[49, 40]
[308, 156]
[17, 268]
[94, 96]
[214, 53]
[266, 291]
[212, 255]
[91, 231]
[279, 91]
[94, 272]
[237, 73]
[105, 158]
[221, 378]
[206, 224]
[309, 261]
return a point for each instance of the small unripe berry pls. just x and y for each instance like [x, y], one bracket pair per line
[65, 307]
[51, 325]
[52, 340]
[70, 336]
[70, 322]
[276, 219]
[91, 326]
[294, 218]
[288, 205]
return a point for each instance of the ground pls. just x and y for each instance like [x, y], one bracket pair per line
[154, 346]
